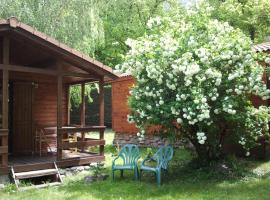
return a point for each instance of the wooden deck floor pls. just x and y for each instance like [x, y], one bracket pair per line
[51, 157]
[30, 163]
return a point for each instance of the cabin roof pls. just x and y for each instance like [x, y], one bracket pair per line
[17, 29]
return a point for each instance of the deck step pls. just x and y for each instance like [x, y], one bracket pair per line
[17, 176]
[34, 174]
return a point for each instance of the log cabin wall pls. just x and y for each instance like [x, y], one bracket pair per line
[44, 103]
[120, 110]
[45, 106]
[45, 97]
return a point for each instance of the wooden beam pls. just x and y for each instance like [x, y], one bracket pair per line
[101, 113]
[19, 68]
[59, 111]
[101, 102]
[82, 105]
[27, 69]
[83, 111]
[6, 56]
[81, 129]
[81, 75]
[82, 144]
[3, 132]
[69, 104]
[3, 150]
[83, 81]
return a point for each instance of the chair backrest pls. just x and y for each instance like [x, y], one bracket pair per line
[163, 156]
[130, 153]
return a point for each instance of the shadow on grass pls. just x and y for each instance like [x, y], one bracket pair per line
[182, 182]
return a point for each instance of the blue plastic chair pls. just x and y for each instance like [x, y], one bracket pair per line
[161, 159]
[129, 154]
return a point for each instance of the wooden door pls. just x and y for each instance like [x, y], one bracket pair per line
[22, 137]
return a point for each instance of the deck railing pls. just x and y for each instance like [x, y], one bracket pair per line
[3, 147]
[83, 143]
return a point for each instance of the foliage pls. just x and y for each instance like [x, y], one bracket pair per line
[75, 94]
[75, 23]
[195, 77]
[98, 169]
[127, 19]
[251, 16]
[98, 28]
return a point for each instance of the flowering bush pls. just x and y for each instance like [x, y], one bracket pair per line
[195, 77]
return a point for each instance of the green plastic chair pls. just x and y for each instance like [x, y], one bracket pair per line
[129, 154]
[161, 159]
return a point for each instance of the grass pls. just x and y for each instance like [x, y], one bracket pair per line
[249, 180]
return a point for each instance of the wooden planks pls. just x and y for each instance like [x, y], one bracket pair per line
[6, 52]
[81, 129]
[59, 110]
[3, 149]
[36, 173]
[120, 110]
[83, 112]
[82, 104]
[101, 114]
[83, 144]
[49, 163]
[22, 123]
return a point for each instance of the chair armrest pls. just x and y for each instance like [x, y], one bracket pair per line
[113, 162]
[146, 159]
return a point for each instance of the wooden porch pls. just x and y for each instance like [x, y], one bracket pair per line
[44, 65]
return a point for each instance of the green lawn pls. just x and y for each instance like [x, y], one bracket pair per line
[250, 180]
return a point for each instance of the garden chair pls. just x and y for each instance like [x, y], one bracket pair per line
[129, 155]
[161, 160]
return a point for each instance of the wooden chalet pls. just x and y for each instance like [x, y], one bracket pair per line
[36, 73]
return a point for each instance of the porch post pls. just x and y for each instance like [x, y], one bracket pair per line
[59, 111]
[6, 51]
[83, 111]
[101, 113]
[83, 104]
[68, 106]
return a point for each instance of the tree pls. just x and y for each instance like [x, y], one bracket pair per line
[127, 19]
[75, 23]
[195, 76]
[251, 16]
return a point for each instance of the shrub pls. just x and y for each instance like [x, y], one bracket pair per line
[195, 77]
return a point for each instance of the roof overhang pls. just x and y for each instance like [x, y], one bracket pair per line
[14, 28]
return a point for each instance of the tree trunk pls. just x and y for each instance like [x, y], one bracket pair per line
[205, 153]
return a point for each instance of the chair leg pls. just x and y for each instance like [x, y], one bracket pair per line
[136, 173]
[113, 175]
[122, 173]
[158, 175]
[140, 177]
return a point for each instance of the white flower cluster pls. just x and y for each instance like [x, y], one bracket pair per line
[141, 135]
[228, 108]
[130, 119]
[242, 141]
[267, 60]
[201, 137]
[153, 22]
